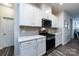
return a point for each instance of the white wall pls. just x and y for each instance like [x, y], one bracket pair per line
[67, 30]
[4, 12]
[60, 17]
[71, 26]
[16, 29]
[66, 34]
[0, 35]
[0, 27]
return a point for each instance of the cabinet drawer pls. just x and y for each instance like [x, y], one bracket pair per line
[28, 51]
[28, 43]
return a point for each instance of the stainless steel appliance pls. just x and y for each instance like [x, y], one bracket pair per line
[50, 39]
[46, 23]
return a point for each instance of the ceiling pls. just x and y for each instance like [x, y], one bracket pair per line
[71, 8]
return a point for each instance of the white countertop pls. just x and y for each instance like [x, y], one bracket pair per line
[56, 33]
[27, 38]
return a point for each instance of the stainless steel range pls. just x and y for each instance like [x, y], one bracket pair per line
[50, 39]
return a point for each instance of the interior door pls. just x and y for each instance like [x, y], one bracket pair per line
[8, 35]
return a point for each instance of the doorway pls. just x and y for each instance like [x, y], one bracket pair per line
[75, 28]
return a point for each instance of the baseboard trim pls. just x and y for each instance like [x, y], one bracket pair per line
[1, 48]
[66, 42]
[5, 47]
[58, 46]
[44, 54]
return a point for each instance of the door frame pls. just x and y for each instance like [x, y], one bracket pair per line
[1, 45]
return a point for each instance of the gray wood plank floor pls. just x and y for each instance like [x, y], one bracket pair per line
[70, 49]
[8, 51]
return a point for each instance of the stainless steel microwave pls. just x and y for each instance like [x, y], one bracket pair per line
[46, 23]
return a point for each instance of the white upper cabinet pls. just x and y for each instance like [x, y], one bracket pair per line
[44, 14]
[25, 14]
[30, 15]
[37, 17]
[53, 19]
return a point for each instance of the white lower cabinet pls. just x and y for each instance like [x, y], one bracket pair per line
[28, 51]
[35, 47]
[57, 40]
[41, 47]
[28, 48]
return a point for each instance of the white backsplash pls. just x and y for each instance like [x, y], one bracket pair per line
[51, 31]
[26, 31]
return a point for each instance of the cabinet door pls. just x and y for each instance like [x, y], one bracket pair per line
[38, 16]
[25, 14]
[28, 51]
[28, 48]
[44, 14]
[58, 40]
[53, 19]
[54, 23]
[41, 47]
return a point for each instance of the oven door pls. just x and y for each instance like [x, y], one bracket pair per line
[50, 43]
